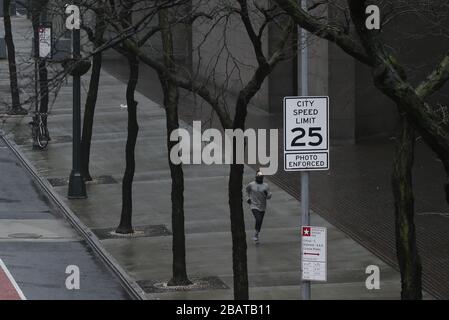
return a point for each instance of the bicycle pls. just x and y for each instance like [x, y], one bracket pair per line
[39, 130]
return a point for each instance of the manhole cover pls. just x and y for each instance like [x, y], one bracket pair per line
[25, 236]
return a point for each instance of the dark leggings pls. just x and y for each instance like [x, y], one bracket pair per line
[259, 218]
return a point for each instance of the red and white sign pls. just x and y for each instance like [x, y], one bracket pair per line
[314, 253]
[45, 42]
[9, 290]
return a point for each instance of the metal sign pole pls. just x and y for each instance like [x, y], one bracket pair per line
[305, 216]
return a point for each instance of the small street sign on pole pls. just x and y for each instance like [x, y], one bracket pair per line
[314, 253]
[45, 40]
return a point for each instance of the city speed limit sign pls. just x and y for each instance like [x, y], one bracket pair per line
[306, 133]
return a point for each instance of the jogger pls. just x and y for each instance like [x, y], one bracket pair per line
[257, 194]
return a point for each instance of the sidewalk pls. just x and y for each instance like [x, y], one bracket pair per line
[273, 266]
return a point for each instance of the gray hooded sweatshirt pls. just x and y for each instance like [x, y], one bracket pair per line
[258, 194]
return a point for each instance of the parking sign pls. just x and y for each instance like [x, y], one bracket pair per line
[314, 253]
[45, 41]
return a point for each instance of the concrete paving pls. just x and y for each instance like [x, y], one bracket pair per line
[273, 265]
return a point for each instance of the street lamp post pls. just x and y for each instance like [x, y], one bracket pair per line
[77, 186]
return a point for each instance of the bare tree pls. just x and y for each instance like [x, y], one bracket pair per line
[171, 99]
[125, 225]
[123, 25]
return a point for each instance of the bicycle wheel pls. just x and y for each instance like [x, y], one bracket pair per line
[42, 136]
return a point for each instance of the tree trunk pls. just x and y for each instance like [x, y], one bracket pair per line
[125, 225]
[407, 251]
[91, 100]
[16, 107]
[239, 247]
[171, 99]
[89, 113]
[179, 278]
[235, 187]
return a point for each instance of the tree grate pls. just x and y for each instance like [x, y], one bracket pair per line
[28, 140]
[60, 182]
[145, 231]
[198, 284]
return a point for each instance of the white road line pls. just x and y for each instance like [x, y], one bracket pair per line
[11, 279]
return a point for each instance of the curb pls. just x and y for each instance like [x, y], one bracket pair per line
[129, 284]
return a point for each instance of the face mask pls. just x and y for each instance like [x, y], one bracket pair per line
[259, 179]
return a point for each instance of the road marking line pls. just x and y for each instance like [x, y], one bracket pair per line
[10, 289]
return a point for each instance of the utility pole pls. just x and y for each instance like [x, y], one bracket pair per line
[304, 91]
[77, 186]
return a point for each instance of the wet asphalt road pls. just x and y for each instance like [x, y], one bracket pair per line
[355, 194]
[37, 243]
